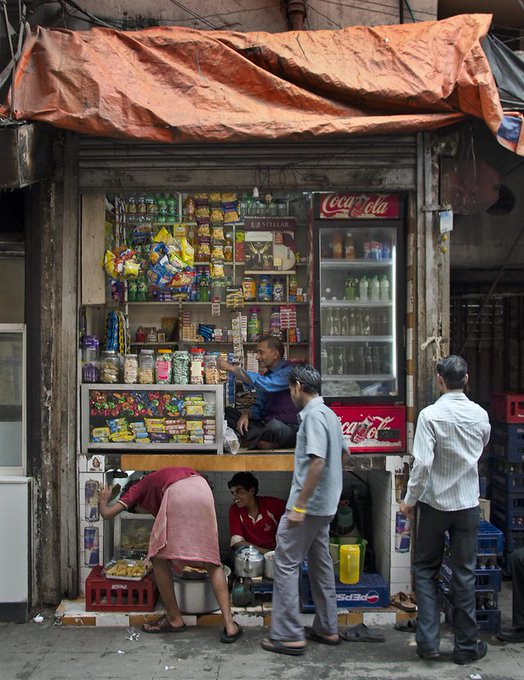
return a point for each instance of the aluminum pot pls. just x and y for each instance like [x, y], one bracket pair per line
[249, 563]
[195, 595]
[268, 563]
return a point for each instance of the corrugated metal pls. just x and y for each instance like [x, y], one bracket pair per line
[352, 162]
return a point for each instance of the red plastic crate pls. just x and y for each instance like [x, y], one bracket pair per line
[103, 594]
[508, 407]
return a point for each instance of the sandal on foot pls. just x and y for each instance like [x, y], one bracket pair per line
[228, 639]
[409, 626]
[162, 626]
[317, 637]
[279, 647]
[361, 633]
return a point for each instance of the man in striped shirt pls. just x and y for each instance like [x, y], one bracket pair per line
[450, 437]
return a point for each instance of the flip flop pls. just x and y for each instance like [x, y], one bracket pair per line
[361, 633]
[311, 635]
[404, 602]
[279, 647]
[409, 626]
[228, 639]
[162, 626]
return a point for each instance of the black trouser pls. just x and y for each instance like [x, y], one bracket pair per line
[517, 574]
[282, 435]
[462, 526]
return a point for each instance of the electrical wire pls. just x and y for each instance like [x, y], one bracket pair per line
[195, 15]
[325, 16]
[376, 4]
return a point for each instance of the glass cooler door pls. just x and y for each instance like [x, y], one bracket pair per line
[358, 314]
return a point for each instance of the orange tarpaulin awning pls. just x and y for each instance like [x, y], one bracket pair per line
[173, 84]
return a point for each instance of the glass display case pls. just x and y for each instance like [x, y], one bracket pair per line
[359, 298]
[152, 417]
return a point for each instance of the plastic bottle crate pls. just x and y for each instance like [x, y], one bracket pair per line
[103, 594]
[487, 619]
[490, 540]
[507, 518]
[514, 540]
[507, 476]
[508, 407]
[370, 592]
[488, 579]
[508, 442]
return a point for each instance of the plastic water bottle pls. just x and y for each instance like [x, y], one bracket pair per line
[363, 288]
[384, 289]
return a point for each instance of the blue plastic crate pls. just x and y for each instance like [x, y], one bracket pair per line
[370, 592]
[507, 442]
[489, 578]
[507, 519]
[503, 477]
[514, 540]
[511, 501]
[487, 619]
[490, 540]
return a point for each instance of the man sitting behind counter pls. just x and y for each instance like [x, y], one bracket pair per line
[253, 519]
[272, 421]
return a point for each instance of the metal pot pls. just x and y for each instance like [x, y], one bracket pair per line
[195, 595]
[249, 562]
[268, 563]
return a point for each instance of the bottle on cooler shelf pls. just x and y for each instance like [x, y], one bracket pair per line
[366, 324]
[323, 361]
[363, 289]
[344, 322]
[384, 322]
[336, 322]
[340, 367]
[330, 323]
[349, 247]
[375, 354]
[368, 361]
[330, 361]
[352, 329]
[359, 360]
[349, 289]
[350, 360]
[338, 245]
[374, 289]
[384, 288]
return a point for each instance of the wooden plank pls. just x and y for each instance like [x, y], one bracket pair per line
[92, 247]
[272, 462]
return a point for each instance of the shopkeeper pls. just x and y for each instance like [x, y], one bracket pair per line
[185, 532]
[253, 519]
[272, 421]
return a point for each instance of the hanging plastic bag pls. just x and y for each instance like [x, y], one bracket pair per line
[231, 441]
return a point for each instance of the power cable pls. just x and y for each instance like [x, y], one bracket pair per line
[195, 15]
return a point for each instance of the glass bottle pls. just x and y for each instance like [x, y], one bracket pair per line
[110, 367]
[349, 247]
[359, 359]
[340, 366]
[374, 289]
[329, 322]
[368, 361]
[330, 361]
[351, 323]
[350, 359]
[336, 322]
[344, 322]
[384, 289]
[363, 289]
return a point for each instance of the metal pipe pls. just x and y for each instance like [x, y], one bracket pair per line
[296, 13]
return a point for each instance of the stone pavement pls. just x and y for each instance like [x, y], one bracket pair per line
[44, 651]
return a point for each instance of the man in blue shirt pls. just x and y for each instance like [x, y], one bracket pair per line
[304, 528]
[272, 420]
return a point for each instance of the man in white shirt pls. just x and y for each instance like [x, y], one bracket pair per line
[450, 437]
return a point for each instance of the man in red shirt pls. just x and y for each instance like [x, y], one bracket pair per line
[253, 519]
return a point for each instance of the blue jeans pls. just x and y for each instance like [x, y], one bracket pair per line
[462, 526]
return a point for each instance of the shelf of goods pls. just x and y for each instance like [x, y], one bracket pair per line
[152, 417]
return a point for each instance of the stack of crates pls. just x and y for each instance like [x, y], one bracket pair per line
[488, 579]
[507, 470]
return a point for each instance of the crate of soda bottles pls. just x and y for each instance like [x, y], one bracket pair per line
[490, 540]
[488, 575]
[508, 476]
[508, 407]
[487, 612]
[104, 594]
[507, 442]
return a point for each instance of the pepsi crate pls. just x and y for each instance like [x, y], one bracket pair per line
[487, 619]
[488, 578]
[507, 476]
[507, 442]
[370, 592]
[514, 540]
[508, 407]
[506, 518]
[490, 540]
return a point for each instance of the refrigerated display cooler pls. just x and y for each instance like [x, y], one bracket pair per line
[358, 256]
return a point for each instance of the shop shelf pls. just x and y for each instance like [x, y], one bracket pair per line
[103, 594]
[485, 579]
[487, 619]
[508, 407]
[506, 518]
[508, 442]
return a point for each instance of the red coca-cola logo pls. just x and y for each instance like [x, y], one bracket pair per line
[359, 431]
[344, 206]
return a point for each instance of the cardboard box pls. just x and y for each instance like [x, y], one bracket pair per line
[485, 509]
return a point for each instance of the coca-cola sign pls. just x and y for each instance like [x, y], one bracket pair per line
[359, 206]
[378, 429]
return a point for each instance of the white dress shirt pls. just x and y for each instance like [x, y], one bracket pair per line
[450, 437]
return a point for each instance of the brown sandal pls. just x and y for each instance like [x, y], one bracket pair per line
[162, 626]
[404, 602]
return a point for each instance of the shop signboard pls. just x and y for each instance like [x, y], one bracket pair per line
[359, 206]
[373, 429]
